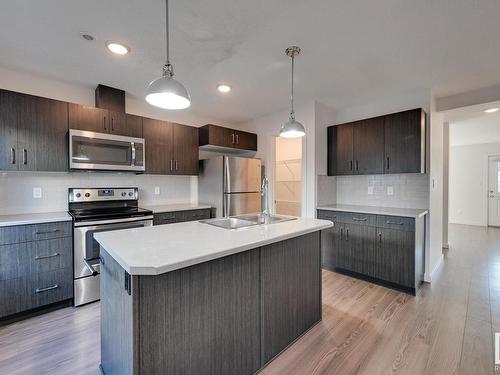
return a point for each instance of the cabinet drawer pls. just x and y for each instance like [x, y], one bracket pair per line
[48, 287]
[34, 232]
[396, 222]
[50, 255]
[360, 219]
[165, 218]
[335, 216]
[194, 215]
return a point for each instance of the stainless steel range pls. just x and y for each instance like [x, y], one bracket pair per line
[99, 210]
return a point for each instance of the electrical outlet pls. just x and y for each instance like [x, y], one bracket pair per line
[157, 190]
[37, 192]
[370, 190]
[390, 190]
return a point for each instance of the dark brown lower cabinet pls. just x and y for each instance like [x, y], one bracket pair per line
[385, 248]
[231, 315]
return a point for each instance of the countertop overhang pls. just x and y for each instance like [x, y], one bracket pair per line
[390, 211]
[35, 218]
[164, 248]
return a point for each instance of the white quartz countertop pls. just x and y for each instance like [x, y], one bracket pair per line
[38, 218]
[175, 207]
[390, 211]
[164, 248]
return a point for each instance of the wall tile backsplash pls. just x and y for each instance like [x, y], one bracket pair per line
[16, 189]
[408, 190]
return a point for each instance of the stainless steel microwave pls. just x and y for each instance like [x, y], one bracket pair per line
[105, 152]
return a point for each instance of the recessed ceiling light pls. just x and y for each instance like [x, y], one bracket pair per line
[491, 110]
[118, 48]
[224, 88]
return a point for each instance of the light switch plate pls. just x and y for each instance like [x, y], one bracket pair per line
[370, 190]
[390, 190]
[157, 190]
[37, 192]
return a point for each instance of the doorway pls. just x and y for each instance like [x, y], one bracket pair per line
[494, 191]
[288, 176]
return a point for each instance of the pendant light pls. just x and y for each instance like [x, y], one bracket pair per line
[293, 128]
[166, 92]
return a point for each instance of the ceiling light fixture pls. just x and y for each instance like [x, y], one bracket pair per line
[166, 92]
[117, 48]
[491, 110]
[224, 88]
[293, 128]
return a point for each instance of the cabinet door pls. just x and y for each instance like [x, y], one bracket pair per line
[9, 109]
[245, 140]
[43, 135]
[158, 138]
[395, 256]
[340, 150]
[185, 149]
[405, 142]
[331, 247]
[88, 118]
[124, 124]
[368, 146]
[361, 240]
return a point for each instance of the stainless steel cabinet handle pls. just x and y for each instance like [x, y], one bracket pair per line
[176, 165]
[237, 139]
[13, 155]
[25, 156]
[357, 165]
[359, 219]
[387, 162]
[380, 239]
[350, 165]
[171, 165]
[341, 233]
[47, 231]
[232, 138]
[112, 124]
[395, 222]
[40, 290]
[104, 123]
[347, 234]
[46, 256]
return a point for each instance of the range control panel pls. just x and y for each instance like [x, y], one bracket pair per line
[102, 194]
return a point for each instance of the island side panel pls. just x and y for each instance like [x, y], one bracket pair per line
[291, 291]
[203, 319]
[118, 310]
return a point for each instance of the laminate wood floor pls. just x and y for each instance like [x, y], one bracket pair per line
[448, 328]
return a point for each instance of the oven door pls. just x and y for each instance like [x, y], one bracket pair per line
[86, 247]
[101, 151]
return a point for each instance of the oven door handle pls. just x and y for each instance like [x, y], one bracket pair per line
[89, 266]
[110, 222]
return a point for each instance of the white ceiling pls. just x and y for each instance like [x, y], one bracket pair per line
[353, 50]
[475, 127]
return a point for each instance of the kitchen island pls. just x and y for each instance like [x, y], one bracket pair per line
[193, 298]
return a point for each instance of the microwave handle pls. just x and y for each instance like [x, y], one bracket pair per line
[132, 144]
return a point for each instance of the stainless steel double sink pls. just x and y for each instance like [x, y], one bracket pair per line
[243, 221]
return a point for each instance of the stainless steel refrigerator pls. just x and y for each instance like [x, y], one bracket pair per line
[231, 185]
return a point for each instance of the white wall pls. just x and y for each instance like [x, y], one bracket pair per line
[468, 203]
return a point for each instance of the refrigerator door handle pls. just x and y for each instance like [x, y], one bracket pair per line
[227, 205]
[227, 173]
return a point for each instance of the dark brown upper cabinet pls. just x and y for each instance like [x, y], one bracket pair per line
[393, 143]
[218, 136]
[171, 149]
[340, 150]
[104, 121]
[405, 134]
[33, 133]
[368, 146]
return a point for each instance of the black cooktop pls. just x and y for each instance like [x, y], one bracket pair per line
[103, 213]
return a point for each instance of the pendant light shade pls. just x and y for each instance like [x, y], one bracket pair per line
[293, 128]
[166, 92]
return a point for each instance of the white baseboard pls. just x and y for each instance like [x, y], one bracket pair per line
[428, 277]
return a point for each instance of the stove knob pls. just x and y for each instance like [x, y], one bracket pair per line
[87, 195]
[130, 194]
[124, 194]
[78, 195]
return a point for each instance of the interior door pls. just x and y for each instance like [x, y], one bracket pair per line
[494, 191]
